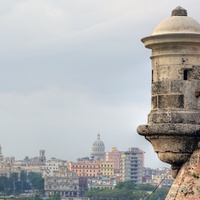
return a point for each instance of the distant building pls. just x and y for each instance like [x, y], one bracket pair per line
[42, 157]
[147, 174]
[165, 179]
[10, 160]
[101, 183]
[62, 181]
[107, 169]
[98, 149]
[40, 160]
[158, 176]
[30, 164]
[85, 168]
[84, 159]
[27, 168]
[6, 164]
[131, 165]
[114, 156]
[5, 169]
[1, 155]
[52, 165]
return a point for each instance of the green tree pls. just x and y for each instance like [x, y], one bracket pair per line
[146, 187]
[13, 182]
[139, 195]
[159, 193]
[37, 197]
[55, 196]
[128, 191]
[127, 184]
[17, 183]
[3, 184]
[23, 179]
[36, 180]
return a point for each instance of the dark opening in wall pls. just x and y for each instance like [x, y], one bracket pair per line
[152, 77]
[185, 74]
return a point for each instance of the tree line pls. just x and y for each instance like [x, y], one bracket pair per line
[129, 191]
[17, 183]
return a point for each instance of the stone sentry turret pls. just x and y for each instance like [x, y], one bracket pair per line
[174, 120]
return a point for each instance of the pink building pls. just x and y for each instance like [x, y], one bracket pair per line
[114, 157]
[85, 168]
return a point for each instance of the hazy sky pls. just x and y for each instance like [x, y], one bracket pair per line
[71, 69]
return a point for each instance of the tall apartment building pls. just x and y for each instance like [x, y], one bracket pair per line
[131, 165]
[114, 156]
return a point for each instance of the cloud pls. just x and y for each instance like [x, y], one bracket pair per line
[64, 122]
[71, 69]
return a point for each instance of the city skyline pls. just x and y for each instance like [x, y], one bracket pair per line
[73, 69]
[95, 145]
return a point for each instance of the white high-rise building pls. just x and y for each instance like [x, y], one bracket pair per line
[131, 165]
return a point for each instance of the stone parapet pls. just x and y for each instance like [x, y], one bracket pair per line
[173, 126]
[186, 186]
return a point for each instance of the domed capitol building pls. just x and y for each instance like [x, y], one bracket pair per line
[98, 149]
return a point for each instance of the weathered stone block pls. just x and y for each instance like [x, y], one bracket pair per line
[174, 117]
[194, 73]
[154, 102]
[160, 87]
[170, 101]
[177, 86]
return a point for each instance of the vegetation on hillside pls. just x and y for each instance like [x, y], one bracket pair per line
[129, 191]
[32, 181]
[18, 183]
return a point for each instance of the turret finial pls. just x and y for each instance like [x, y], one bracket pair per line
[179, 11]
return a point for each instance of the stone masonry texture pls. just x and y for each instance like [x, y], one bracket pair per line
[186, 186]
[173, 126]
